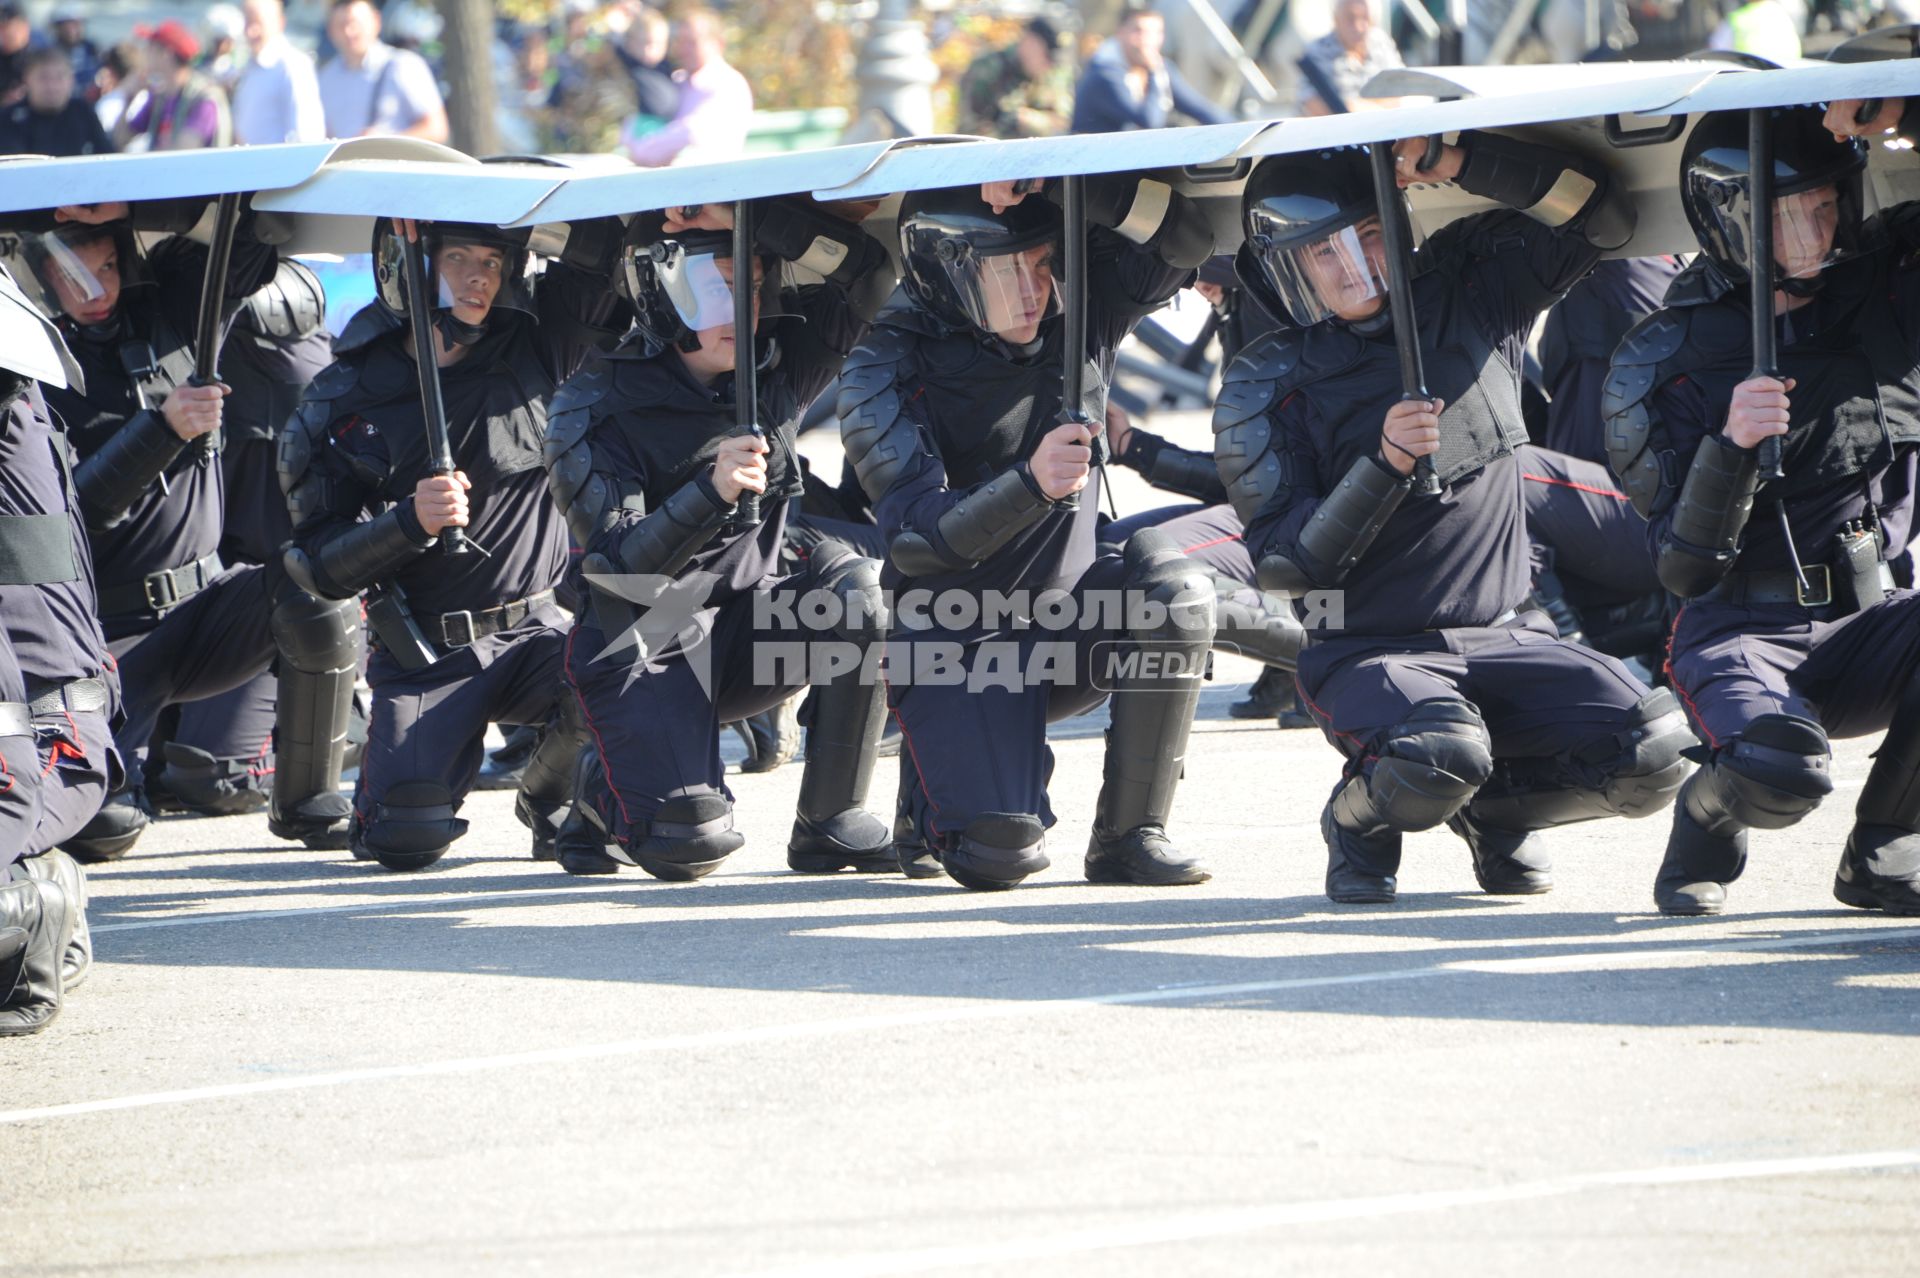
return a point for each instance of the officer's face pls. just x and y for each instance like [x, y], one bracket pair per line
[1803, 229]
[89, 298]
[715, 355]
[1016, 288]
[1345, 270]
[472, 274]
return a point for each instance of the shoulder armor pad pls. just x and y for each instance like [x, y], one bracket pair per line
[1272, 357]
[579, 392]
[1626, 407]
[1242, 399]
[873, 365]
[334, 381]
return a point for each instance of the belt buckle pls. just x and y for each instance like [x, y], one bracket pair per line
[160, 600]
[457, 629]
[1826, 586]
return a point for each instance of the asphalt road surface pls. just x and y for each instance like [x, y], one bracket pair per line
[285, 1064]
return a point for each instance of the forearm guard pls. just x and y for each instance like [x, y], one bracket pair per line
[662, 542]
[112, 479]
[1177, 470]
[1340, 531]
[1704, 537]
[360, 556]
[982, 522]
[829, 246]
[1550, 186]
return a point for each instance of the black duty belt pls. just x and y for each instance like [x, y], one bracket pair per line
[76, 696]
[15, 719]
[461, 629]
[160, 591]
[1782, 586]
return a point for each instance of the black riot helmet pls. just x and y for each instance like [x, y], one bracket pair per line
[1813, 229]
[971, 266]
[66, 274]
[675, 284]
[1302, 216]
[389, 268]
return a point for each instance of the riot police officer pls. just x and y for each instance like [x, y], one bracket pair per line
[645, 459]
[460, 640]
[1792, 631]
[953, 417]
[1448, 704]
[148, 481]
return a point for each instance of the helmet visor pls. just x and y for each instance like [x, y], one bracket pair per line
[77, 274]
[477, 276]
[1342, 274]
[1006, 294]
[1813, 230]
[696, 284]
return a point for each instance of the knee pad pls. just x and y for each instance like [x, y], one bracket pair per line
[1768, 777]
[1170, 599]
[856, 580]
[687, 838]
[997, 850]
[411, 826]
[1430, 765]
[212, 786]
[1652, 764]
[316, 635]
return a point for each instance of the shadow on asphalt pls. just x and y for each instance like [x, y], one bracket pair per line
[1030, 944]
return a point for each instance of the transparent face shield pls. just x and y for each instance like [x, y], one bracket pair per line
[1342, 274]
[81, 279]
[698, 285]
[468, 274]
[1813, 230]
[1006, 294]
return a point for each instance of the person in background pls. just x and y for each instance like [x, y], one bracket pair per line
[716, 102]
[1766, 28]
[183, 110]
[16, 41]
[643, 52]
[1350, 55]
[278, 97]
[1022, 91]
[70, 36]
[50, 120]
[117, 84]
[224, 59]
[372, 88]
[1128, 84]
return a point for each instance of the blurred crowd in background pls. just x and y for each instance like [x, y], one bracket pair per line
[682, 83]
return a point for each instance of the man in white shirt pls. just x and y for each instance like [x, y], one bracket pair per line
[278, 97]
[373, 88]
[716, 102]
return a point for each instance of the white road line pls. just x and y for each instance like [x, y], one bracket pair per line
[946, 1013]
[420, 903]
[1245, 1220]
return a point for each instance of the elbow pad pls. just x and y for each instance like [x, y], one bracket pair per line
[360, 556]
[663, 542]
[982, 522]
[1550, 187]
[1151, 214]
[828, 246]
[112, 479]
[1348, 520]
[1704, 535]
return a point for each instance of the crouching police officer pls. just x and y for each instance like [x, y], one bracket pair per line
[1792, 630]
[461, 640]
[659, 486]
[1449, 705]
[954, 418]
